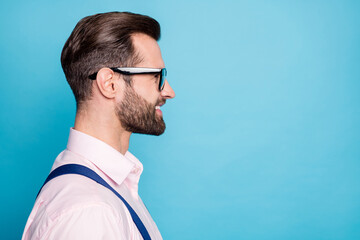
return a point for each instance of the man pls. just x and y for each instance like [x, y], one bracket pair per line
[114, 67]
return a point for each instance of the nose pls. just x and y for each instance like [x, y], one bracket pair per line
[167, 91]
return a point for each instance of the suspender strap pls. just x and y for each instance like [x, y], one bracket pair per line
[87, 172]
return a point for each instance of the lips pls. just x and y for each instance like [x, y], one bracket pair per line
[157, 108]
[159, 105]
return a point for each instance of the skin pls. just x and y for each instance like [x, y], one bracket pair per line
[97, 117]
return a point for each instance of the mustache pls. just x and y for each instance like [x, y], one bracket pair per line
[160, 102]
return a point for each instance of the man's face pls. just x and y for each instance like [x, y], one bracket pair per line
[139, 109]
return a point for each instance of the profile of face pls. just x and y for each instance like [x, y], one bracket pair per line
[139, 110]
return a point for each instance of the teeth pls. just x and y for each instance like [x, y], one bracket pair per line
[157, 107]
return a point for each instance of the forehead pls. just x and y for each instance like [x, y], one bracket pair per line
[148, 50]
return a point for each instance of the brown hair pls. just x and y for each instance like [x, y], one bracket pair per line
[102, 40]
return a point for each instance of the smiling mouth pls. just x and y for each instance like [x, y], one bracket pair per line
[157, 108]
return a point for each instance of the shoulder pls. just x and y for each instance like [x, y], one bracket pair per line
[72, 191]
[90, 221]
[73, 206]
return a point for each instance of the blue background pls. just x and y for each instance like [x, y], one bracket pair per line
[263, 137]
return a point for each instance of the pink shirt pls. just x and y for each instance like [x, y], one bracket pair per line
[75, 207]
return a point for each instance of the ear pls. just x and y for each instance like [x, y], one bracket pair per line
[106, 82]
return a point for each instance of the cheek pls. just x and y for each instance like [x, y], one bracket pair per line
[147, 91]
[151, 98]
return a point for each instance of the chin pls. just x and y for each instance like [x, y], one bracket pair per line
[155, 130]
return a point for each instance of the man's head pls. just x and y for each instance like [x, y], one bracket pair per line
[112, 40]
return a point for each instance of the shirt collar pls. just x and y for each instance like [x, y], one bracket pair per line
[117, 166]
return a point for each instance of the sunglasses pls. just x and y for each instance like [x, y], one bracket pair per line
[135, 71]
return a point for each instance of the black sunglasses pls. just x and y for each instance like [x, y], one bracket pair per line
[134, 71]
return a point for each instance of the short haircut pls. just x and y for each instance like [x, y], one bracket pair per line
[102, 40]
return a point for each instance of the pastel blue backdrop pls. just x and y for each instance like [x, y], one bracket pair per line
[263, 137]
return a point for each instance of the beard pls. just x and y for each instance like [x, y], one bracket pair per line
[138, 115]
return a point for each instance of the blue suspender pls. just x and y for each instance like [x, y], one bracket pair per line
[87, 172]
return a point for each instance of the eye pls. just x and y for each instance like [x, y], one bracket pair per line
[157, 76]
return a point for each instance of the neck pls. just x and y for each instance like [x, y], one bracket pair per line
[105, 129]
